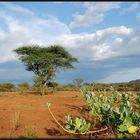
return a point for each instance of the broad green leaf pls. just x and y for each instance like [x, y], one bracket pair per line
[128, 122]
[122, 128]
[128, 103]
[78, 123]
[84, 128]
[93, 112]
[67, 126]
[137, 114]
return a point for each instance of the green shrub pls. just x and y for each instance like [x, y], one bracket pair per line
[77, 125]
[23, 87]
[119, 118]
[7, 87]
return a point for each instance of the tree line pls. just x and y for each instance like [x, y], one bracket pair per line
[76, 84]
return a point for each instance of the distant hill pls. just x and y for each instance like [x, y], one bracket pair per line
[134, 81]
[137, 81]
[133, 85]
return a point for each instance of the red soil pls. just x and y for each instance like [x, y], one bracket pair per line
[34, 113]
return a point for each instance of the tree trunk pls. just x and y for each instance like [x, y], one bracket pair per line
[43, 88]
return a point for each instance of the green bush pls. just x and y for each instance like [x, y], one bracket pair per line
[66, 88]
[7, 87]
[23, 87]
[119, 118]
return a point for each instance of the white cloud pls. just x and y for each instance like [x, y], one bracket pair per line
[102, 44]
[19, 28]
[58, 2]
[122, 76]
[134, 6]
[94, 13]
[101, 6]
[17, 8]
[106, 43]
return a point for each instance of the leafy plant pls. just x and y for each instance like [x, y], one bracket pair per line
[136, 118]
[114, 111]
[88, 96]
[137, 102]
[124, 108]
[77, 124]
[125, 125]
[127, 129]
[120, 117]
[99, 104]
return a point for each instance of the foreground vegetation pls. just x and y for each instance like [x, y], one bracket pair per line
[113, 111]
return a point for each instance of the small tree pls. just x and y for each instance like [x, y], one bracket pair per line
[52, 84]
[78, 82]
[45, 61]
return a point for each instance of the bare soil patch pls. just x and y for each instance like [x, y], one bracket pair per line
[33, 112]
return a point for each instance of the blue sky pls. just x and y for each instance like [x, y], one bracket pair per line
[104, 36]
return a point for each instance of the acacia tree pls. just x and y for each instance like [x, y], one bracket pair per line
[45, 61]
[78, 82]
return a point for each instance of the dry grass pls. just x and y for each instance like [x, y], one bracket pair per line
[31, 132]
[3, 94]
[13, 133]
[16, 120]
[15, 124]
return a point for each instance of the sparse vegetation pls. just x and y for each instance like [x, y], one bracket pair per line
[7, 87]
[15, 124]
[23, 87]
[13, 134]
[3, 94]
[67, 87]
[16, 120]
[53, 86]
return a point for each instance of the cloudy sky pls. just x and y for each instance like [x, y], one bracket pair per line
[104, 36]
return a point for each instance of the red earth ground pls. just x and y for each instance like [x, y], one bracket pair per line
[35, 114]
